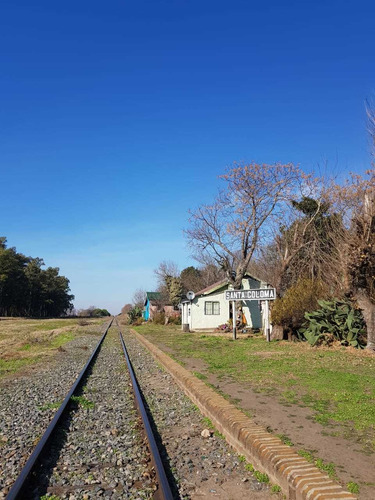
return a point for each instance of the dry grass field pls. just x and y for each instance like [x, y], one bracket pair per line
[28, 341]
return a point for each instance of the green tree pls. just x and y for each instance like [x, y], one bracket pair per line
[307, 246]
[174, 287]
[191, 279]
[33, 272]
[13, 282]
[55, 292]
[28, 290]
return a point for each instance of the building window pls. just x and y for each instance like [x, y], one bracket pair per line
[212, 308]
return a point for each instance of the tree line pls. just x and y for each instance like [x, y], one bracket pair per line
[91, 312]
[26, 289]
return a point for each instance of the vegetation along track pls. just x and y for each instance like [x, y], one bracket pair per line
[94, 445]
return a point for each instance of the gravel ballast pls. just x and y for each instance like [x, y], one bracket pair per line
[100, 451]
[103, 452]
[28, 402]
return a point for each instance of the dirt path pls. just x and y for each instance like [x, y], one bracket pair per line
[352, 464]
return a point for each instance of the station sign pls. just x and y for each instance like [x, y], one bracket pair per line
[256, 294]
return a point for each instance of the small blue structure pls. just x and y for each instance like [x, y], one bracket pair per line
[150, 305]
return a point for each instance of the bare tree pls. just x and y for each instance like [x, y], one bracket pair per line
[165, 269]
[370, 111]
[139, 298]
[307, 247]
[126, 309]
[360, 242]
[169, 283]
[197, 278]
[230, 229]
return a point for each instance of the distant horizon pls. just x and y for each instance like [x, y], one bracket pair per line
[118, 119]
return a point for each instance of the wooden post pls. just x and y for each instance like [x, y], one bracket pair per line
[191, 316]
[267, 322]
[185, 317]
[234, 320]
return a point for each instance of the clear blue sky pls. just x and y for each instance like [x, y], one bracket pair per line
[116, 118]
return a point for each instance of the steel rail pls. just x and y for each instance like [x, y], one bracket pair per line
[165, 490]
[16, 491]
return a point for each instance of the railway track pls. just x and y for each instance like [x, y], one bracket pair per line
[99, 409]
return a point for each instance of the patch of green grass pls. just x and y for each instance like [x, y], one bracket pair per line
[307, 455]
[329, 468]
[200, 376]
[25, 347]
[50, 406]
[249, 413]
[219, 435]
[249, 467]
[241, 458]
[52, 324]
[13, 365]
[61, 339]
[207, 422]
[353, 487]
[275, 488]
[322, 419]
[261, 477]
[285, 439]
[49, 496]
[289, 397]
[42, 344]
[36, 350]
[82, 401]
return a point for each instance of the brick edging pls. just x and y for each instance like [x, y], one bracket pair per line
[298, 479]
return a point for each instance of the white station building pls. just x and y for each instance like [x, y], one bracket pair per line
[211, 307]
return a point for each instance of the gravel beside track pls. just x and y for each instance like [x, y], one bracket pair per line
[100, 451]
[103, 452]
[201, 467]
[26, 399]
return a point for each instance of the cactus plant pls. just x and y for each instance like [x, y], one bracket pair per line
[335, 318]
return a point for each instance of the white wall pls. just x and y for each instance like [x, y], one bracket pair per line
[199, 320]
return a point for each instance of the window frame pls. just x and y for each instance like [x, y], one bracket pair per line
[211, 304]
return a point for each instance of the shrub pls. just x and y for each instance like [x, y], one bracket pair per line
[353, 487]
[98, 313]
[159, 318]
[289, 311]
[261, 477]
[335, 320]
[137, 322]
[134, 313]
[174, 320]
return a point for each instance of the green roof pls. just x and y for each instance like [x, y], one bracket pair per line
[153, 295]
